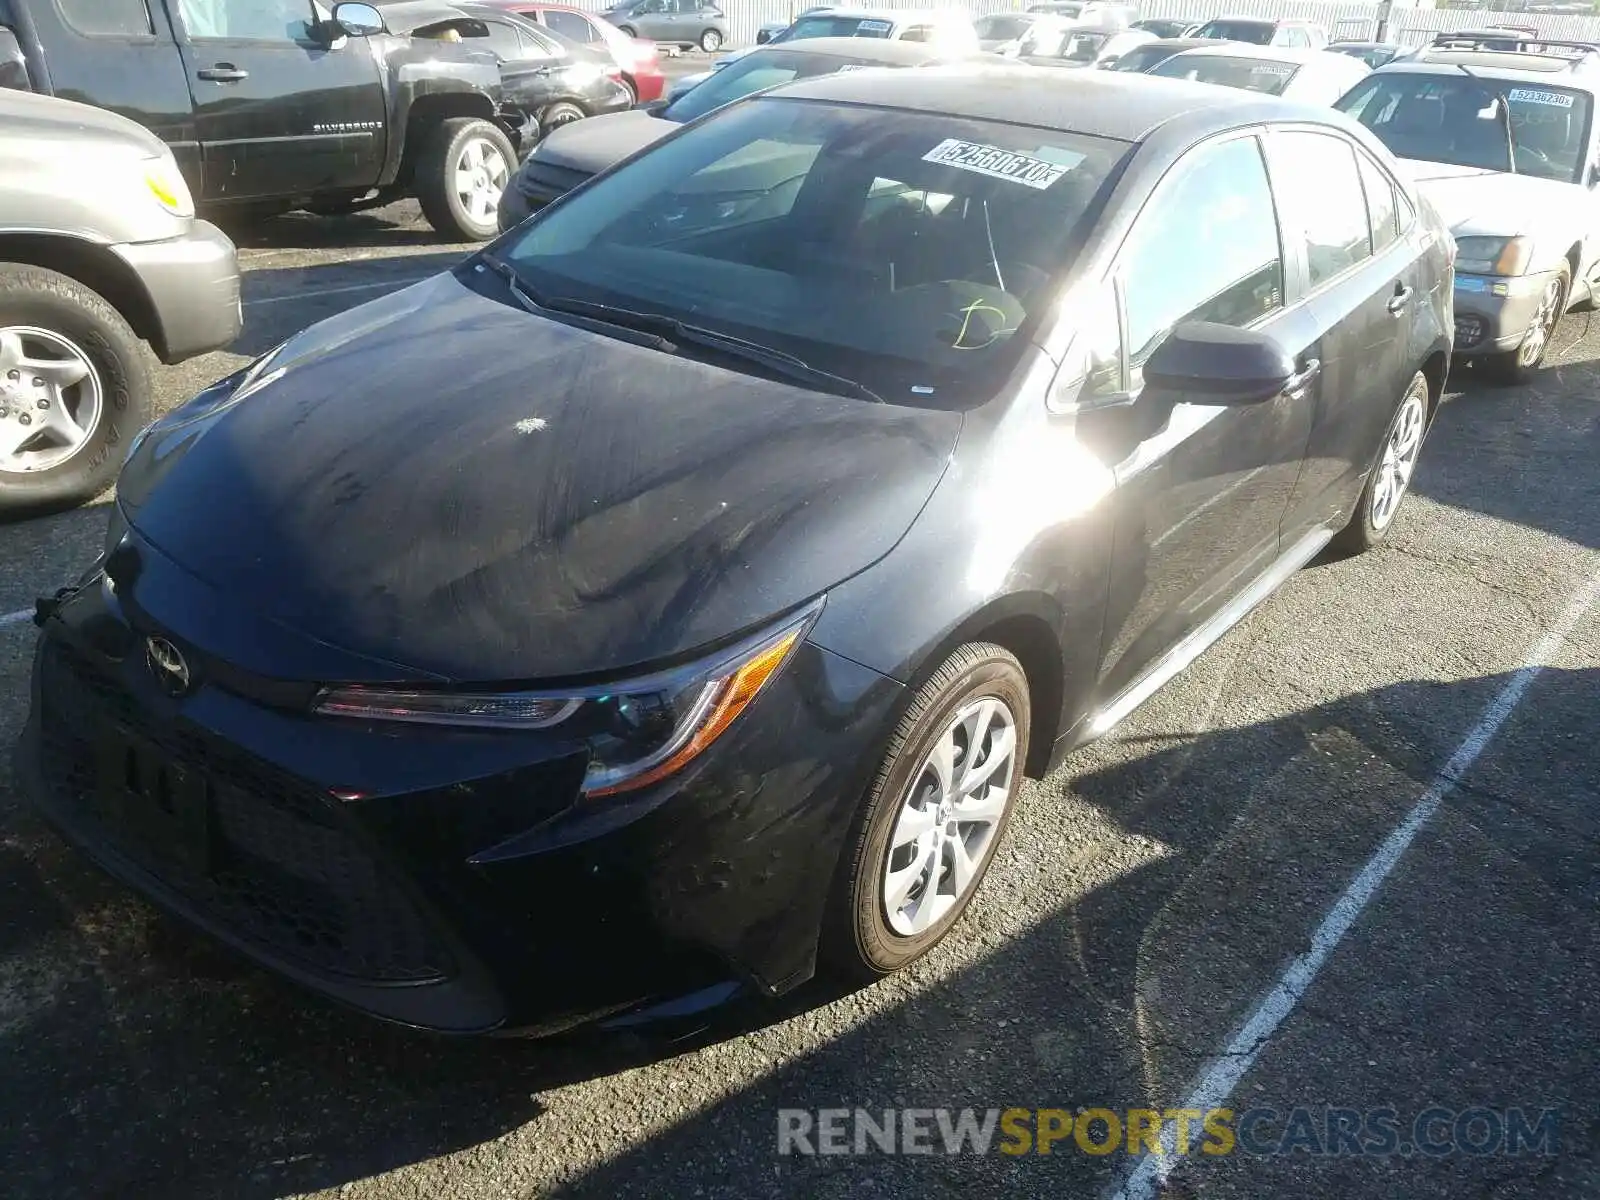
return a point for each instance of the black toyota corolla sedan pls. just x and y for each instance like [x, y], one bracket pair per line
[669, 601]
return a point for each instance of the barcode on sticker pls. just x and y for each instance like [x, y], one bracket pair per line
[1535, 96]
[996, 163]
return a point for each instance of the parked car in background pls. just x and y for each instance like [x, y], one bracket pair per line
[570, 157]
[639, 60]
[1012, 34]
[1092, 12]
[1510, 156]
[1309, 76]
[773, 28]
[1265, 31]
[553, 80]
[1086, 46]
[672, 22]
[276, 106]
[100, 256]
[1167, 27]
[1145, 57]
[1374, 54]
[1022, 333]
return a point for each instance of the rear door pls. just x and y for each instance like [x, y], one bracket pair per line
[1353, 239]
[280, 114]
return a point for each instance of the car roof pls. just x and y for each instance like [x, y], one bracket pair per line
[1358, 43]
[1284, 54]
[897, 15]
[1126, 106]
[1493, 66]
[893, 54]
[1490, 60]
[1190, 43]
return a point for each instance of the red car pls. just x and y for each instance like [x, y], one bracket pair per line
[639, 61]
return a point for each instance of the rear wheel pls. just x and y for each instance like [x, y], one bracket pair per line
[628, 31]
[557, 115]
[1520, 365]
[711, 41]
[74, 387]
[933, 816]
[1390, 479]
[462, 172]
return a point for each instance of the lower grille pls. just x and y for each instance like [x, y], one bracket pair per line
[542, 183]
[1469, 331]
[286, 872]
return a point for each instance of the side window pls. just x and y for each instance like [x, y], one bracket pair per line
[503, 41]
[1324, 208]
[247, 20]
[571, 25]
[1294, 36]
[917, 33]
[1383, 212]
[1205, 248]
[533, 45]
[107, 18]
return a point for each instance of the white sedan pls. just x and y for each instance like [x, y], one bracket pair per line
[1309, 76]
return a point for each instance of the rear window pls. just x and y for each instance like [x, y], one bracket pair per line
[1142, 58]
[1258, 33]
[1251, 74]
[1002, 28]
[912, 252]
[825, 26]
[756, 72]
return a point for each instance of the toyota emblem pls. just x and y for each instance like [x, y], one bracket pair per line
[168, 666]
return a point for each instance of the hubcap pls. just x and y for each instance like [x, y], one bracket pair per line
[481, 174]
[1399, 460]
[50, 399]
[949, 816]
[1543, 325]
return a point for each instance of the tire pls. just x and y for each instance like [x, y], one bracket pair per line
[711, 41]
[64, 321]
[1522, 364]
[864, 938]
[561, 113]
[628, 31]
[1380, 504]
[464, 217]
[633, 89]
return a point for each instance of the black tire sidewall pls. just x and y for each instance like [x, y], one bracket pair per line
[710, 35]
[862, 945]
[48, 300]
[435, 184]
[549, 123]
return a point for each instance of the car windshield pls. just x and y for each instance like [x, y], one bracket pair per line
[1142, 58]
[826, 26]
[1466, 121]
[1258, 33]
[1251, 74]
[1002, 27]
[910, 252]
[753, 73]
[1373, 56]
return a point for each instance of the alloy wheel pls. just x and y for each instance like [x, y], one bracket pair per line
[481, 174]
[949, 816]
[1542, 326]
[1399, 460]
[51, 399]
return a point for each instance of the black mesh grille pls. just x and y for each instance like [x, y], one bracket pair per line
[1469, 331]
[286, 873]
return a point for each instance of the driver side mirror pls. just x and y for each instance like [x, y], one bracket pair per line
[358, 20]
[763, 37]
[1218, 364]
[654, 107]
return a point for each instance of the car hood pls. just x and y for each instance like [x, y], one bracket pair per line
[36, 126]
[599, 142]
[443, 482]
[1474, 201]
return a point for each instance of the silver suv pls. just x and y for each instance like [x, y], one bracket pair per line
[100, 251]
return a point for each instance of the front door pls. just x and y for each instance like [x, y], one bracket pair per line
[280, 113]
[1201, 489]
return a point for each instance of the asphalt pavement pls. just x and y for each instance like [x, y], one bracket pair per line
[1349, 862]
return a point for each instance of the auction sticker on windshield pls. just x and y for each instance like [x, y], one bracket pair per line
[874, 26]
[997, 163]
[1535, 96]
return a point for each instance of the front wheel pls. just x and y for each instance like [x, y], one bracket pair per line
[74, 387]
[711, 41]
[462, 172]
[1390, 479]
[1520, 365]
[933, 816]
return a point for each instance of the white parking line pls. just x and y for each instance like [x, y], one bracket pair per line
[16, 618]
[1222, 1074]
[338, 291]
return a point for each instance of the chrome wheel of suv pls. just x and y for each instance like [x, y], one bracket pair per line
[50, 399]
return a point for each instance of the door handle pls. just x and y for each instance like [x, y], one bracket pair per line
[222, 73]
[1401, 298]
[1295, 386]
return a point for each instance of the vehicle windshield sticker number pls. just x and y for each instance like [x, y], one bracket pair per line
[1036, 173]
[1535, 96]
[874, 26]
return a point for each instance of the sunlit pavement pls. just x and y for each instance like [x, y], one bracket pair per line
[1147, 899]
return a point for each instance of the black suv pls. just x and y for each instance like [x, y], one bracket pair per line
[270, 105]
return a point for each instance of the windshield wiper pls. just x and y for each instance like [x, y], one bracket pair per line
[1505, 115]
[540, 306]
[780, 362]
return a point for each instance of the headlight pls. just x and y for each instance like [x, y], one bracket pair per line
[165, 182]
[1493, 255]
[638, 731]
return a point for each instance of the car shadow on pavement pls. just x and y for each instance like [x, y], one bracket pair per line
[140, 1061]
[394, 225]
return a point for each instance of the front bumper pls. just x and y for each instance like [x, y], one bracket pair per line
[1493, 312]
[193, 285]
[445, 879]
[536, 185]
